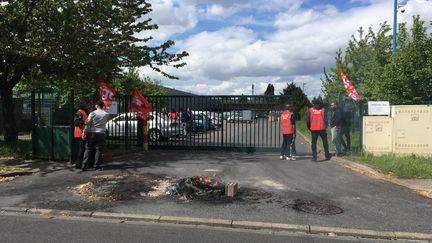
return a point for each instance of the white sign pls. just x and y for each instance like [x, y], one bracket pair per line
[380, 108]
[113, 108]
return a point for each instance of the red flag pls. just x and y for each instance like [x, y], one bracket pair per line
[139, 104]
[351, 92]
[106, 93]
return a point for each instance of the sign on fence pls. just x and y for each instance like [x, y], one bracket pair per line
[378, 108]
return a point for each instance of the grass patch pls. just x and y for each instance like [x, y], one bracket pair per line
[19, 149]
[404, 167]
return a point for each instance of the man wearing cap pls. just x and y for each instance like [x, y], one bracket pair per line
[96, 128]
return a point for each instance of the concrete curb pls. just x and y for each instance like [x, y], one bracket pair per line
[309, 229]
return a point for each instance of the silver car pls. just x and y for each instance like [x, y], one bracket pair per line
[160, 127]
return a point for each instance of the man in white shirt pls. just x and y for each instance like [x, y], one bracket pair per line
[95, 134]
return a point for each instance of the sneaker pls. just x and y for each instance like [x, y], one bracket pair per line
[293, 158]
[281, 157]
[288, 158]
[98, 168]
[328, 158]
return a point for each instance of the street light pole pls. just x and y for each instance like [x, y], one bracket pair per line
[394, 26]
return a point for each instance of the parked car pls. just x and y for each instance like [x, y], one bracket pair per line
[203, 123]
[213, 117]
[160, 127]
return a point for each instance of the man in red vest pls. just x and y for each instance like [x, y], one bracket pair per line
[287, 122]
[79, 123]
[317, 124]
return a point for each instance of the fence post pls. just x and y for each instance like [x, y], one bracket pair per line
[71, 118]
[126, 106]
[33, 117]
[222, 121]
[361, 125]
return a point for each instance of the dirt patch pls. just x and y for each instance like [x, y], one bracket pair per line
[427, 194]
[6, 178]
[365, 172]
[123, 187]
[9, 173]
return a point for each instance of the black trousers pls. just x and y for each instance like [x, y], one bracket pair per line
[286, 144]
[323, 135]
[81, 150]
[345, 132]
[94, 145]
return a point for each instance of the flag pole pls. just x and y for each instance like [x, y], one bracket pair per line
[145, 135]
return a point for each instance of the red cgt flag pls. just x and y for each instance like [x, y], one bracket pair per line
[139, 104]
[106, 94]
[351, 92]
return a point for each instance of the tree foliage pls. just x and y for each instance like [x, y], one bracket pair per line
[130, 79]
[270, 90]
[63, 44]
[295, 96]
[405, 78]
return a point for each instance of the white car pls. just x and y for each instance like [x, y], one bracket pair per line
[160, 127]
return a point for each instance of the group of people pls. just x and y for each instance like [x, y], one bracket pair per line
[317, 122]
[90, 132]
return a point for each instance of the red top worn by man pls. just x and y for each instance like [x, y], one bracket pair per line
[317, 125]
[288, 129]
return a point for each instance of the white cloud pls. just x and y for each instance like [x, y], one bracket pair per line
[220, 11]
[172, 17]
[229, 60]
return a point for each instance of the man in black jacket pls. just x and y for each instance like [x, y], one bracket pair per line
[336, 122]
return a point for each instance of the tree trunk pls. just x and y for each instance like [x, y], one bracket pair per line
[8, 108]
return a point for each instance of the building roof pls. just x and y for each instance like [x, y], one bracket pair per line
[171, 91]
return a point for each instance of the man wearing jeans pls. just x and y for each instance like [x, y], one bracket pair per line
[95, 125]
[317, 124]
[288, 128]
[336, 120]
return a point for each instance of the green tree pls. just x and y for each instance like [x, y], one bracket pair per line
[405, 78]
[270, 90]
[147, 86]
[63, 44]
[408, 80]
[294, 95]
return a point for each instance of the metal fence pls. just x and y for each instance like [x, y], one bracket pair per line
[52, 127]
[22, 115]
[242, 123]
[231, 123]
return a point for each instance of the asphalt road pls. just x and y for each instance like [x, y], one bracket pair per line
[33, 229]
[271, 188]
[260, 133]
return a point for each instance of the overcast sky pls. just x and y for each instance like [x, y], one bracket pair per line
[236, 43]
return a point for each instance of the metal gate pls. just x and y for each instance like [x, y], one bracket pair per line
[231, 123]
[52, 127]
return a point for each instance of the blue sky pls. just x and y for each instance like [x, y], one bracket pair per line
[234, 44]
